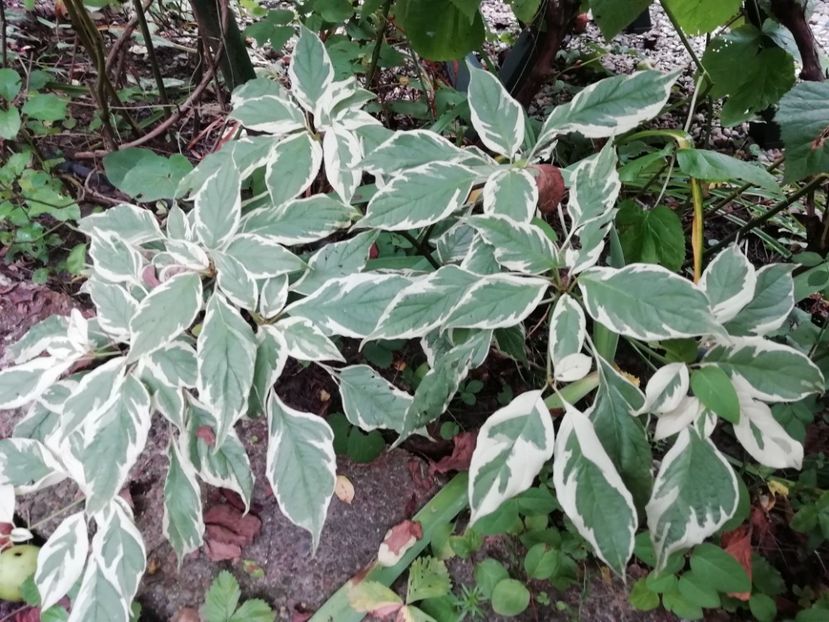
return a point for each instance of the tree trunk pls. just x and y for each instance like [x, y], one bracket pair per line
[792, 16]
[218, 27]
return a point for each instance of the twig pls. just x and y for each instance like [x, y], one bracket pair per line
[125, 36]
[3, 33]
[378, 44]
[148, 41]
[421, 247]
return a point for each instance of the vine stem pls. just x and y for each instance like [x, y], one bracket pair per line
[378, 44]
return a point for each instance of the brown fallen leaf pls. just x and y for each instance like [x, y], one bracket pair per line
[550, 187]
[737, 543]
[464, 445]
[344, 489]
[186, 614]
[398, 540]
[227, 530]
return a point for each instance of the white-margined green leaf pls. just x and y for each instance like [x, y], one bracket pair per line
[166, 400]
[591, 239]
[496, 116]
[761, 435]
[623, 435]
[178, 226]
[115, 306]
[369, 400]
[235, 282]
[673, 421]
[694, 494]
[130, 223]
[54, 397]
[342, 153]
[519, 247]
[24, 383]
[61, 560]
[293, 164]
[93, 395]
[250, 153]
[419, 197]
[301, 221]
[609, 107]
[775, 372]
[218, 208]
[163, 315]
[273, 294]
[7, 502]
[498, 301]
[666, 388]
[183, 524]
[511, 192]
[263, 257]
[335, 260]
[226, 466]
[591, 491]
[28, 465]
[646, 301]
[350, 306]
[424, 304]
[301, 466]
[271, 356]
[513, 445]
[39, 423]
[39, 338]
[114, 259]
[263, 105]
[594, 188]
[568, 330]
[306, 342]
[310, 71]
[481, 257]
[729, 281]
[772, 303]
[453, 245]
[407, 150]
[175, 364]
[226, 353]
[188, 254]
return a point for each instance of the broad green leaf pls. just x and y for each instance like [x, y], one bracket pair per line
[512, 193]
[803, 121]
[301, 221]
[114, 305]
[261, 256]
[24, 383]
[428, 578]
[175, 364]
[9, 123]
[594, 187]
[293, 164]
[39, 338]
[701, 16]
[342, 153]
[93, 395]
[407, 150]
[609, 107]
[498, 301]
[273, 294]
[714, 166]
[236, 283]
[695, 493]
[145, 175]
[718, 569]
[424, 304]
[271, 356]
[712, 386]
[651, 236]
[510, 597]
[114, 259]
[496, 116]
[513, 445]
[182, 524]
[61, 560]
[263, 105]
[310, 71]
[518, 247]
[613, 16]
[222, 598]
[334, 260]
[646, 302]
[686, 413]
[568, 330]
[729, 282]
[370, 401]
[761, 435]
[772, 303]
[439, 30]
[419, 197]
[775, 372]
[218, 208]
[695, 590]
[226, 353]
[163, 315]
[592, 493]
[350, 306]
[300, 465]
[131, 224]
[666, 388]
[44, 107]
[306, 342]
[28, 465]
[9, 84]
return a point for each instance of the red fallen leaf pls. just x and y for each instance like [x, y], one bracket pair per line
[5, 530]
[227, 530]
[737, 543]
[233, 498]
[398, 540]
[206, 434]
[27, 614]
[186, 614]
[301, 616]
[373, 251]
[550, 187]
[580, 23]
[461, 455]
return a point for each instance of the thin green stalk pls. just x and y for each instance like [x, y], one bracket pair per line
[686, 44]
[378, 44]
[573, 392]
[148, 41]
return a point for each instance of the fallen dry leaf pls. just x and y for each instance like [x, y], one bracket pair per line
[227, 530]
[550, 187]
[398, 540]
[464, 445]
[187, 614]
[737, 543]
[344, 489]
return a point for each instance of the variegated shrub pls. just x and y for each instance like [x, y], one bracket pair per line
[196, 321]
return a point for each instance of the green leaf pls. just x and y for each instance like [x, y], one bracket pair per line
[301, 466]
[9, 123]
[488, 574]
[698, 591]
[714, 166]
[45, 107]
[512, 193]
[541, 562]
[518, 247]
[293, 164]
[510, 597]
[772, 303]
[183, 524]
[803, 121]
[9, 84]
[263, 105]
[428, 578]
[254, 610]
[496, 116]
[651, 236]
[642, 597]
[714, 389]
[370, 401]
[144, 175]
[613, 16]
[718, 570]
[438, 30]
[222, 598]
[310, 71]
[218, 208]
[763, 607]
[700, 16]
[61, 561]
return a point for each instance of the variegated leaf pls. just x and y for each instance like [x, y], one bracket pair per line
[480, 258]
[182, 523]
[175, 364]
[496, 116]
[592, 493]
[342, 153]
[335, 260]
[729, 281]
[369, 400]
[188, 255]
[114, 258]
[772, 303]
[453, 245]
[519, 247]
[407, 150]
[594, 188]
[263, 105]
[24, 383]
[513, 445]
[129, 223]
[271, 356]
[686, 413]
[39, 338]
[511, 192]
[273, 294]
[115, 306]
[301, 466]
[28, 465]
[498, 300]
[306, 342]
[236, 283]
[695, 493]
[93, 395]
[568, 330]
[263, 257]
[301, 221]
[61, 560]
[310, 71]
[218, 208]
[293, 164]
[666, 388]
[7, 501]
